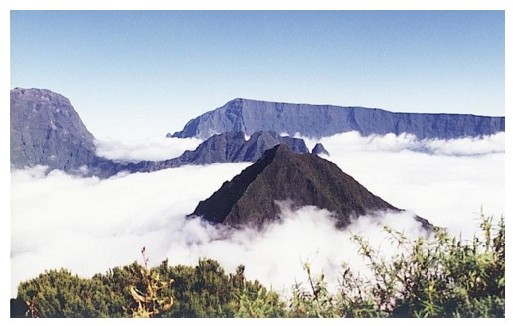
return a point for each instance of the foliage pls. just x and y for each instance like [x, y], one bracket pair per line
[61, 294]
[441, 276]
[259, 303]
[315, 302]
[437, 276]
[204, 290]
[148, 301]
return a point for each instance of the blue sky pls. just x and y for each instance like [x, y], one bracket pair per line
[133, 74]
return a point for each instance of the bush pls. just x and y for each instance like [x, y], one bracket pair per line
[207, 291]
[442, 276]
[61, 294]
[204, 290]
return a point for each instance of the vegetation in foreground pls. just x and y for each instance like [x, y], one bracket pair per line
[441, 276]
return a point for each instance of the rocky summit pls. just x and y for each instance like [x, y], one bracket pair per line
[316, 121]
[250, 198]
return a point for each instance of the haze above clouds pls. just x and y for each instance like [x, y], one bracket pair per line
[89, 225]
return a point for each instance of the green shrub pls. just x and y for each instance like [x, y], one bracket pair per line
[204, 290]
[441, 276]
[61, 294]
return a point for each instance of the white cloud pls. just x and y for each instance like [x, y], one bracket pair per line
[448, 190]
[150, 149]
[352, 141]
[308, 234]
[469, 146]
[89, 225]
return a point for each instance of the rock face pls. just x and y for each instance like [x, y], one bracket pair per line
[319, 149]
[229, 147]
[233, 147]
[316, 121]
[46, 130]
[249, 199]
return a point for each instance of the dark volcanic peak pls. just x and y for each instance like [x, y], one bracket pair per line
[319, 149]
[46, 130]
[250, 198]
[316, 121]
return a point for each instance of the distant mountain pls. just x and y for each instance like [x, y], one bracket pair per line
[228, 147]
[249, 199]
[233, 147]
[319, 149]
[46, 130]
[316, 121]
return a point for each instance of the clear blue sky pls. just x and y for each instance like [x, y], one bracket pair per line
[142, 73]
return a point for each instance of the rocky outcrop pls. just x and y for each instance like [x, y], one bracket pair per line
[316, 121]
[320, 150]
[250, 198]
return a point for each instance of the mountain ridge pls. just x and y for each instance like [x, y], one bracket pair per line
[229, 147]
[317, 121]
[46, 130]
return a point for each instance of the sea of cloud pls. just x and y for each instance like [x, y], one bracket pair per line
[148, 149]
[89, 225]
[448, 184]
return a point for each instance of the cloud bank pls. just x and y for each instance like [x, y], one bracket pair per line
[89, 225]
[471, 146]
[448, 190]
[149, 149]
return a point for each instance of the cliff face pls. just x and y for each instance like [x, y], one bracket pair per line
[249, 199]
[46, 130]
[316, 121]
